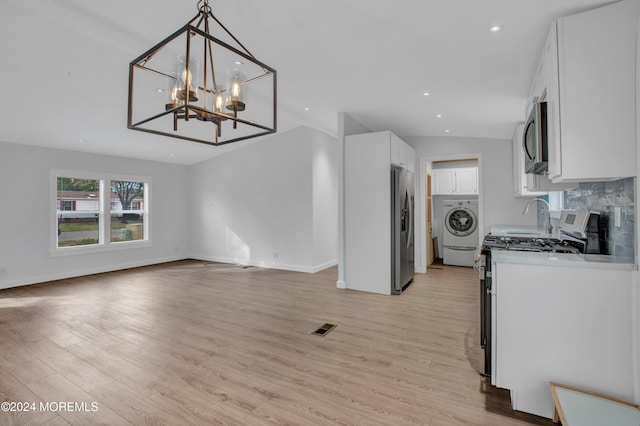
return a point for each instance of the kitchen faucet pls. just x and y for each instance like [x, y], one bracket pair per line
[548, 225]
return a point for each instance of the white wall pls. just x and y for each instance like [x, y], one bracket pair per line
[325, 199]
[500, 205]
[257, 205]
[25, 214]
[347, 125]
[497, 204]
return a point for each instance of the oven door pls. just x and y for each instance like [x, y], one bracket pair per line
[534, 139]
[485, 318]
[483, 266]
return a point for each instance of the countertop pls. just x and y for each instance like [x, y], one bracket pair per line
[570, 260]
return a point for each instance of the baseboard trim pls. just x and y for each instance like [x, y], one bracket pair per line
[263, 264]
[38, 279]
[88, 271]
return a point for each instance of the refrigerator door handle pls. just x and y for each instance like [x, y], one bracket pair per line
[409, 211]
[409, 219]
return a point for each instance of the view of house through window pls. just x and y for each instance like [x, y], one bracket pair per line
[78, 211]
[127, 211]
[99, 212]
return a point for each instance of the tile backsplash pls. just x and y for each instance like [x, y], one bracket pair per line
[602, 197]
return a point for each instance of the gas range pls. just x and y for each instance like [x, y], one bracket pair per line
[535, 244]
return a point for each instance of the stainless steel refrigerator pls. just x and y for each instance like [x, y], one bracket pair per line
[402, 229]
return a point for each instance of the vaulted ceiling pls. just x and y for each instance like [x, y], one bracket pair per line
[65, 66]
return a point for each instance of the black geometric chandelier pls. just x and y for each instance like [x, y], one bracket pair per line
[202, 88]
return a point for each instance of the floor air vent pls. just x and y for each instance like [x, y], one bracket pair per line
[324, 329]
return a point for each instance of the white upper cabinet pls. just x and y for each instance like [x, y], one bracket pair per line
[539, 83]
[590, 60]
[458, 181]
[444, 182]
[402, 154]
[467, 181]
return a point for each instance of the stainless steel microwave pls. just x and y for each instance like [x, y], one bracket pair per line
[534, 140]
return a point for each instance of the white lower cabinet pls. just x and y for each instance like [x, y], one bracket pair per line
[571, 325]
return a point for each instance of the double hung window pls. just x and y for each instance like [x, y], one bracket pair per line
[95, 212]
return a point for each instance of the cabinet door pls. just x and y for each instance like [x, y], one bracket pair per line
[410, 157]
[533, 346]
[516, 160]
[539, 83]
[402, 154]
[553, 103]
[596, 62]
[444, 182]
[398, 152]
[467, 181]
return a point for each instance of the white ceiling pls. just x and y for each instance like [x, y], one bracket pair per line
[65, 65]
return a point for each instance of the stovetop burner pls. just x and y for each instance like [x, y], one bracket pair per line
[536, 244]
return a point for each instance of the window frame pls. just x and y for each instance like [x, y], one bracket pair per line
[104, 219]
[144, 211]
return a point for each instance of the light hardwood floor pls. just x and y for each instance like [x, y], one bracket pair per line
[195, 342]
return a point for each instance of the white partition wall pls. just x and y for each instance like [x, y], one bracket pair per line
[368, 212]
[347, 125]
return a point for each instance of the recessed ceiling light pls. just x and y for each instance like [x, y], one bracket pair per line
[426, 94]
[439, 116]
[305, 108]
[496, 28]
[171, 154]
[159, 90]
[235, 62]
[447, 131]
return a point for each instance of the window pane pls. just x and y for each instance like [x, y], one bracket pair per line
[78, 211]
[127, 211]
[127, 227]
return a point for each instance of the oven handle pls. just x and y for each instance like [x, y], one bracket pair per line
[479, 263]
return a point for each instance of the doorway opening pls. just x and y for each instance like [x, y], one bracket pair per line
[451, 214]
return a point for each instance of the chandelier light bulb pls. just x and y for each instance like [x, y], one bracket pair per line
[186, 77]
[188, 72]
[235, 91]
[174, 94]
[219, 102]
[235, 82]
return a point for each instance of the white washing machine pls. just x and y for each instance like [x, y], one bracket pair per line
[460, 232]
